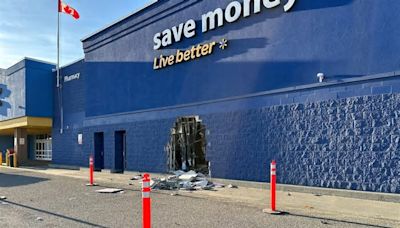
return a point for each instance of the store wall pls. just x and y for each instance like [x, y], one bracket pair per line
[13, 94]
[66, 149]
[27, 90]
[338, 134]
[39, 89]
[6, 142]
[346, 139]
[269, 50]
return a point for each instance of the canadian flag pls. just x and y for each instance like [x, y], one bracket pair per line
[64, 8]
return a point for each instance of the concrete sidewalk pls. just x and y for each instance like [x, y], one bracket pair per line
[326, 207]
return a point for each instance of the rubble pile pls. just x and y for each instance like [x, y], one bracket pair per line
[181, 180]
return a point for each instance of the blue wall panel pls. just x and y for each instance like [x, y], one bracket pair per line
[6, 142]
[66, 149]
[27, 90]
[327, 135]
[13, 94]
[39, 89]
[266, 51]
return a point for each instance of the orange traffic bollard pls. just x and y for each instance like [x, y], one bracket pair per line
[91, 170]
[146, 210]
[273, 210]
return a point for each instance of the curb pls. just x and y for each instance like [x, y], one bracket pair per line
[375, 196]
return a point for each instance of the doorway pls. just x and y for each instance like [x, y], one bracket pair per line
[120, 151]
[98, 151]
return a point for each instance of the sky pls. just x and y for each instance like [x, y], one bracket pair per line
[28, 28]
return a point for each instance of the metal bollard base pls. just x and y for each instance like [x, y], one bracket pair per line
[92, 185]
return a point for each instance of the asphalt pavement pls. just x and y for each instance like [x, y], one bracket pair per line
[41, 200]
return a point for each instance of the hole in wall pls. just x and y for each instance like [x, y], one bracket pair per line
[186, 149]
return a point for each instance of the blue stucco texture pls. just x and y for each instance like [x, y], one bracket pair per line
[27, 90]
[266, 51]
[342, 135]
[324, 141]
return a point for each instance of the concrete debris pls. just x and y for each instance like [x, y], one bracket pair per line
[137, 177]
[3, 198]
[219, 185]
[109, 190]
[39, 219]
[232, 186]
[325, 222]
[187, 181]
[191, 176]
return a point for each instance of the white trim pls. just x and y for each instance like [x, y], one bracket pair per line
[119, 20]
[37, 60]
[146, 184]
[72, 63]
[145, 194]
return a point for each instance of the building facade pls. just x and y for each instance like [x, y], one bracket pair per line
[26, 110]
[228, 86]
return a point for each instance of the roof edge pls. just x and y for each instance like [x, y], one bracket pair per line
[119, 20]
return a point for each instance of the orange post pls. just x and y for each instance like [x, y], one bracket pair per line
[273, 185]
[272, 210]
[146, 209]
[91, 170]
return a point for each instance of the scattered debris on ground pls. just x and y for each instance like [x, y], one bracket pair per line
[188, 181]
[232, 186]
[3, 198]
[39, 219]
[110, 190]
[325, 222]
[137, 177]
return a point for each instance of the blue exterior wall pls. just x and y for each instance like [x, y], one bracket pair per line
[6, 142]
[342, 133]
[39, 89]
[13, 94]
[66, 150]
[27, 90]
[266, 51]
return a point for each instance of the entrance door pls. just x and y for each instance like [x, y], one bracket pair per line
[120, 151]
[98, 151]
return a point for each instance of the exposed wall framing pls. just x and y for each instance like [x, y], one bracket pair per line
[186, 149]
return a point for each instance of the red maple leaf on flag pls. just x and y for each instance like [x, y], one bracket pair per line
[64, 8]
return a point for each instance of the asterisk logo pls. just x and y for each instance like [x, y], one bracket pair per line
[223, 44]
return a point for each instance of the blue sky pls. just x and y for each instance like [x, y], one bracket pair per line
[28, 28]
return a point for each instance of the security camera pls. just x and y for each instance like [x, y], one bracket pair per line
[320, 77]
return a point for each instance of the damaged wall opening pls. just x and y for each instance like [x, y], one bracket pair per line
[186, 149]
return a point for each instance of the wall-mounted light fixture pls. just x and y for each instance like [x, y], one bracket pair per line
[321, 77]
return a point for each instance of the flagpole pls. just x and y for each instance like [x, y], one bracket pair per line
[58, 46]
[58, 72]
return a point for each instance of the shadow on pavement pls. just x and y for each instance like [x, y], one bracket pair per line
[54, 214]
[327, 220]
[12, 180]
